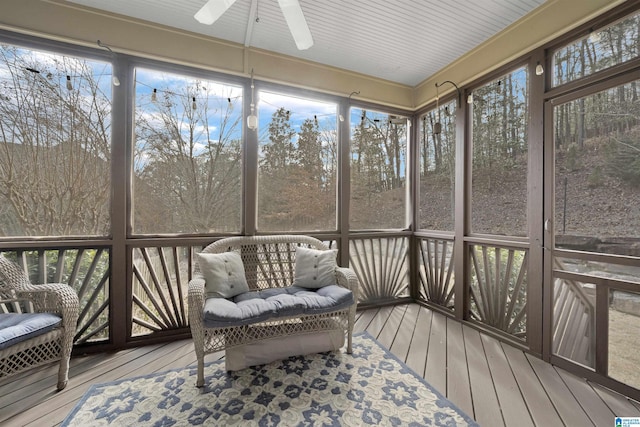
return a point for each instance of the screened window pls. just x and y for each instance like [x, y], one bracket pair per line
[188, 155]
[437, 168]
[604, 48]
[298, 163]
[500, 156]
[378, 170]
[55, 144]
[597, 170]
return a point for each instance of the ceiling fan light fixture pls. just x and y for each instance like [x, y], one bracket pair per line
[297, 24]
[212, 10]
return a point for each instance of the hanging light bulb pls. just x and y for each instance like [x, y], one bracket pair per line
[252, 119]
[539, 69]
[193, 104]
[69, 85]
[154, 96]
[470, 99]
[115, 80]
[437, 127]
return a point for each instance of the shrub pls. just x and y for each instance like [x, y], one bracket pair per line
[572, 157]
[623, 160]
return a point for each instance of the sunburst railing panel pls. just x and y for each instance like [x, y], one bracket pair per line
[574, 321]
[159, 288]
[498, 288]
[435, 271]
[382, 267]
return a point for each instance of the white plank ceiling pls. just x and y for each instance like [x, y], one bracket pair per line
[403, 41]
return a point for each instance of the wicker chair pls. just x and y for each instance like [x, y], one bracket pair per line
[21, 299]
[269, 262]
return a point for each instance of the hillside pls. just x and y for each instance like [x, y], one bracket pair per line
[596, 202]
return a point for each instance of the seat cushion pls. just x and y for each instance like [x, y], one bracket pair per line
[258, 306]
[18, 327]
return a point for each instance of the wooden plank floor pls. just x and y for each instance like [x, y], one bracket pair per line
[493, 382]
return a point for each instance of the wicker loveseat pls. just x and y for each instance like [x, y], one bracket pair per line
[37, 323]
[274, 288]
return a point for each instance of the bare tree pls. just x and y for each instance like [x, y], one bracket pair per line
[188, 163]
[54, 144]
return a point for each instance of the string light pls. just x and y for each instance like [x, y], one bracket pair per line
[190, 97]
[154, 96]
[50, 78]
[194, 105]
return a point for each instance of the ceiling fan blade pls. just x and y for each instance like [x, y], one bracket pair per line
[297, 24]
[212, 10]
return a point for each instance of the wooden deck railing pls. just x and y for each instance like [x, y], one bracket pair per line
[160, 274]
[498, 288]
[435, 270]
[573, 321]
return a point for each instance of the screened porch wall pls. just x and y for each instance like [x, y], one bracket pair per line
[132, 282]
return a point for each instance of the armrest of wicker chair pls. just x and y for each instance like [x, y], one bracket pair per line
[54, 298]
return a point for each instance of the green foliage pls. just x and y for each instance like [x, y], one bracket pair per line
[297, 184]
[278, 153]
[81, 269]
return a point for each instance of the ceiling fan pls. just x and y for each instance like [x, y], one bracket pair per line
[214, 9]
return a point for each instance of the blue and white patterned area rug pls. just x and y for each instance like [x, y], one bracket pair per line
[369, 387]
